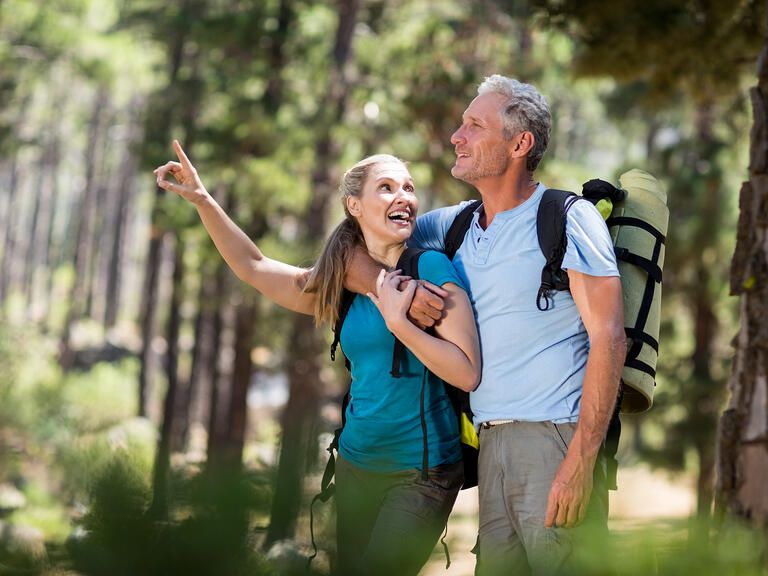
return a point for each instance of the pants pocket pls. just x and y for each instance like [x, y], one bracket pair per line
[560, 436]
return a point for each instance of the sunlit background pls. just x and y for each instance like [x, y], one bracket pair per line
[159, 417]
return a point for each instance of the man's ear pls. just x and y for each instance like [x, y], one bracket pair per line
[522, 144]
[353, 205]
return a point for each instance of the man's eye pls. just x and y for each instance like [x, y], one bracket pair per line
[408, 188]
[385, 187]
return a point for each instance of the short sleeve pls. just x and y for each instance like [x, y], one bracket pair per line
[435, 267]
[432, 227]
[590, 249]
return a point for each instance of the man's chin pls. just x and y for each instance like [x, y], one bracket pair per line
[461, 174]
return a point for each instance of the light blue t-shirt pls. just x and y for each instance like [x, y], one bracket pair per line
[533, 361]
[383, 425]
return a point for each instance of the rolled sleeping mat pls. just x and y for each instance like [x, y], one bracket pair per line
[638, 227]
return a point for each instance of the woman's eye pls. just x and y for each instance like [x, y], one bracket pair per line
[385, 187]
[408, 188]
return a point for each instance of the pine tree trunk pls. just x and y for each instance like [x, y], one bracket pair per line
[51, 245]
[104, 202]
[41, 209]
[709, 390]
[126, 186]
[196, 402]
[221, 380]
[83, 243]
[11, 219]
[159, 508]
[151, 275]
[305, 345]
[743, 434]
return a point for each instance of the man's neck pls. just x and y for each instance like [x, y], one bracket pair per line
[505, 192]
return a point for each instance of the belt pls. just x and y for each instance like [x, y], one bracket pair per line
[492, 423]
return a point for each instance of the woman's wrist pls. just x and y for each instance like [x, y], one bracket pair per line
[203, 200]
[398, 325]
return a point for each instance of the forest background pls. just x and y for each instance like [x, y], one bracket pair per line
[159, 417]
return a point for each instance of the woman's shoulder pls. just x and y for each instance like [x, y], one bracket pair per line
[435, 267]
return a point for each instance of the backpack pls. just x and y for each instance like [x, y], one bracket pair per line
[637, 218]
[408, 263]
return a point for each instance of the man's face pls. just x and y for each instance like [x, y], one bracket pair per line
[481, 150]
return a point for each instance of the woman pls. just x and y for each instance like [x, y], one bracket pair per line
[388, 516]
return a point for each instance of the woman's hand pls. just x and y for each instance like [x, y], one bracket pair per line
[189, 186]
[392, 302]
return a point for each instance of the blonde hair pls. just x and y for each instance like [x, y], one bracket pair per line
[326, 278]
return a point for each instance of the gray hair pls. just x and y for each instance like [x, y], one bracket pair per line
[525, 110]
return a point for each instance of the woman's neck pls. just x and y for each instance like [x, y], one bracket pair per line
[387, 254]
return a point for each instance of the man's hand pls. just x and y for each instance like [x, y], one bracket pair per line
[427, 305]
[570, 492]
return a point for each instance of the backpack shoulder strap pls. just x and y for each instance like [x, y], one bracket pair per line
[408, 264]
[550, 229]
[458, 230]
[347, 298]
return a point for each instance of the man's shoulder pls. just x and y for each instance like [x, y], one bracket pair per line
[432, 227]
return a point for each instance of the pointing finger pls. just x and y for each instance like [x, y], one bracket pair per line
[182, 156]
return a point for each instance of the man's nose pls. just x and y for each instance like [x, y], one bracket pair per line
[457, 136]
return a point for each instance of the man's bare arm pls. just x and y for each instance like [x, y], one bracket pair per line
[362, 272]
[599, 301]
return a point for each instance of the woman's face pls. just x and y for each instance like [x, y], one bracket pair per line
[387, 206]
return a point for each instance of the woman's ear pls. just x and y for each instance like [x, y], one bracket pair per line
[353, 205]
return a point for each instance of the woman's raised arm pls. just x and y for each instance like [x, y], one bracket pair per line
[280, 282]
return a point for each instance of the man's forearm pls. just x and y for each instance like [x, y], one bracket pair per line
[361, 273]
[600, 390]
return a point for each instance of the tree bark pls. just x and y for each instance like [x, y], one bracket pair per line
[83, 244]
[203, 358]
[51, 246]
[126, 185]
[159, 507]
[298, 421]
[708, 390]
[157, 233]
[743, 434]
[11, 220]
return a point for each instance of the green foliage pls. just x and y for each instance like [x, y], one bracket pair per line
[702, 48]
[666, 549]
[208, 535]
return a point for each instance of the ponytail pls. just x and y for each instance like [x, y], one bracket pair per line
[327, 276]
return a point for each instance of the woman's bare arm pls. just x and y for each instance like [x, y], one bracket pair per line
[454, 355]
[280, 282]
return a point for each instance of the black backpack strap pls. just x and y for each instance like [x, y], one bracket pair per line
[347, 298]
[458, 230]
[408, 264]
[550, 229]
[611, 442]
[327, 486]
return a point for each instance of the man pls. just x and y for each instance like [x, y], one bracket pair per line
[550, 378]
